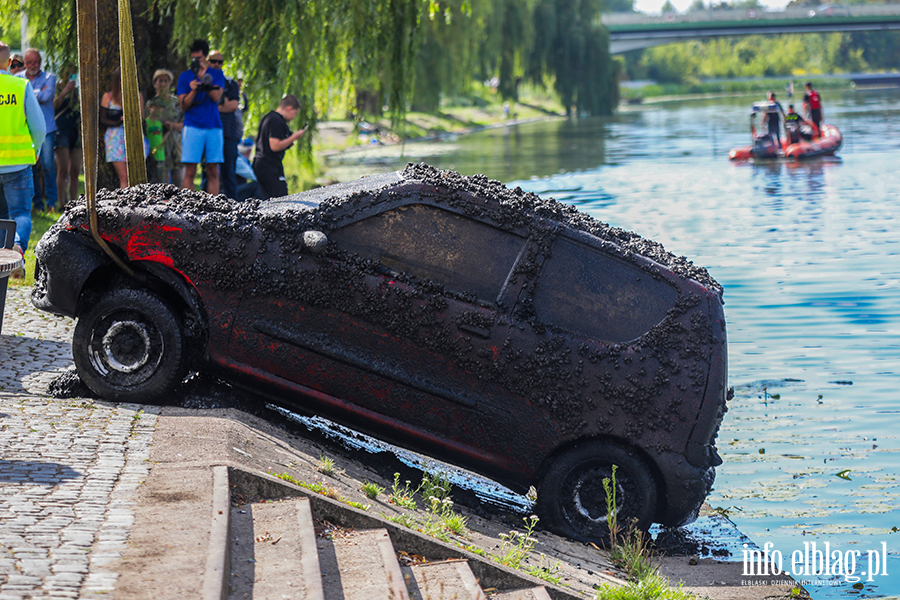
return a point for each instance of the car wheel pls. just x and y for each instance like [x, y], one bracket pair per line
[571, 499]
[130, 346]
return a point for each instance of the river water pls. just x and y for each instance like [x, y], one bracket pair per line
[809, 257]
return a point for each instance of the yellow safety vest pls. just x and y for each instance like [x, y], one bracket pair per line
[15, 140]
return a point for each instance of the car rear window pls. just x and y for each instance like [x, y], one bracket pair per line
[427, 242]
[587, 292]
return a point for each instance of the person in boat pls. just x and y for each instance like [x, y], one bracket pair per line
[792, 123]
[813, 103]
[773, 117]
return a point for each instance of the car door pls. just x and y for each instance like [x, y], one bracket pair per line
[394, 332]
[585, 359]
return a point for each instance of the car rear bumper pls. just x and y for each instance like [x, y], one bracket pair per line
[686, 488]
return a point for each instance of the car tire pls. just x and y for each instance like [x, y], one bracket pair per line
[130, 346]
[571, 500]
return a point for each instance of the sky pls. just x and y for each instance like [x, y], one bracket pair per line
[654, 6]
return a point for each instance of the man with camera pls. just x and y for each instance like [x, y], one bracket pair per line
[199, 90]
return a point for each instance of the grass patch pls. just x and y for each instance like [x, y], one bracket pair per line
[371, 490]
[40, 223]
[326, 466]
[736, 88]
[321, 488]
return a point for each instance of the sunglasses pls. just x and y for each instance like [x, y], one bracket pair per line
[215, 61]
[16, 64]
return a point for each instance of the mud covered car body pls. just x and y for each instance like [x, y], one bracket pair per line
[488, 327]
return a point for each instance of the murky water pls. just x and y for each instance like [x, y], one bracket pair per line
[809, 258]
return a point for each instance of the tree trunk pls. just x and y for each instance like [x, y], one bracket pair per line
[152, 43]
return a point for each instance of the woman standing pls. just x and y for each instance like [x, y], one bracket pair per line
[113, 118]
[67, 112]
[165, 105]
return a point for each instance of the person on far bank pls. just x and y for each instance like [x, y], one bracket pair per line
[44, 86]
[23, 130]
[813, 103]
[273, 139]
[199, 89]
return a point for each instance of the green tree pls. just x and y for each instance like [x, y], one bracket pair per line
[573, 48]
[314, 49]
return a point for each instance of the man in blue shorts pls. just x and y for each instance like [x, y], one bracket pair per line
[199, 89]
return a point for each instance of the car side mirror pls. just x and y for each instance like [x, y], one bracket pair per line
[315, 241]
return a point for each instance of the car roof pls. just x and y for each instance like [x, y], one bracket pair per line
[313, 198]
[477, 195]
[512, 209]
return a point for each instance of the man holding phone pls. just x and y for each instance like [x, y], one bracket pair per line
[199, 89]
[273, 139]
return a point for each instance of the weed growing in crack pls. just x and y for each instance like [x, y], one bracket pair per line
[402, 519]
[517, 545]
[403, 496]
[630, 551]
[371, 490]
[326, 466]
[321, 488]
[546, 571]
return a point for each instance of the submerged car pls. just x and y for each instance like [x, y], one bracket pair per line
[506, 333]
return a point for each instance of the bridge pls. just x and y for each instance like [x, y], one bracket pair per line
[631, 31]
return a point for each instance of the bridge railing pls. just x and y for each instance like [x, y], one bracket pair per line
[751, 14]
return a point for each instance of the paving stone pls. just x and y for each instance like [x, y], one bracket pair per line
[70, 471]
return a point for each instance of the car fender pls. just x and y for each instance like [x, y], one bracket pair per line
[60, 293]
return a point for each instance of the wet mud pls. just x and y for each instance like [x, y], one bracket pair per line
[69, 385]
[646, 391]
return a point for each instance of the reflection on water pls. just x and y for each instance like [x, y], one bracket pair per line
[809, 257]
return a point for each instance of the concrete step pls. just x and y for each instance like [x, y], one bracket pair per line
[360, 565]
[536, 593]
[451, 579]
[355, 557]
[269, 539]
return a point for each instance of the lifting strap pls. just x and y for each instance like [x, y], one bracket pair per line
[88, 67]
[131, 99]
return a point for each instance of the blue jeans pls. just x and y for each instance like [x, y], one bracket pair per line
[18, 188]
[48, 162]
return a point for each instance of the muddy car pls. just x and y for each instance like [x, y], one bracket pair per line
[487, 327]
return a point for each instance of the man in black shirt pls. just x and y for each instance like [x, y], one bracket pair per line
[232, 129]
[273, 139]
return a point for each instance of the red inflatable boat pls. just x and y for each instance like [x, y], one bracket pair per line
[809, 146]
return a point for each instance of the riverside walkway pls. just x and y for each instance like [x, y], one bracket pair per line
[69, 470]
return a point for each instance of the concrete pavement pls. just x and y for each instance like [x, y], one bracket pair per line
[69, 470]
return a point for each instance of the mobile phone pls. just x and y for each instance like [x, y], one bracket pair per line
[73, 77]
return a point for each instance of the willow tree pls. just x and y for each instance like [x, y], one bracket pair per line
[315, 49]
[572, 47]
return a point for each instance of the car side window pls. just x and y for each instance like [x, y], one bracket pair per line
[587, 292]
[427, 242]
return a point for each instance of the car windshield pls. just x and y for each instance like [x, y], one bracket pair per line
[313, 198]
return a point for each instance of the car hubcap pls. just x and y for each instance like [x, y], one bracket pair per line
[126, 346]
[589, 496]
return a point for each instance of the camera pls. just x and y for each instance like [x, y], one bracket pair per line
[206, 84]
[195, 65]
